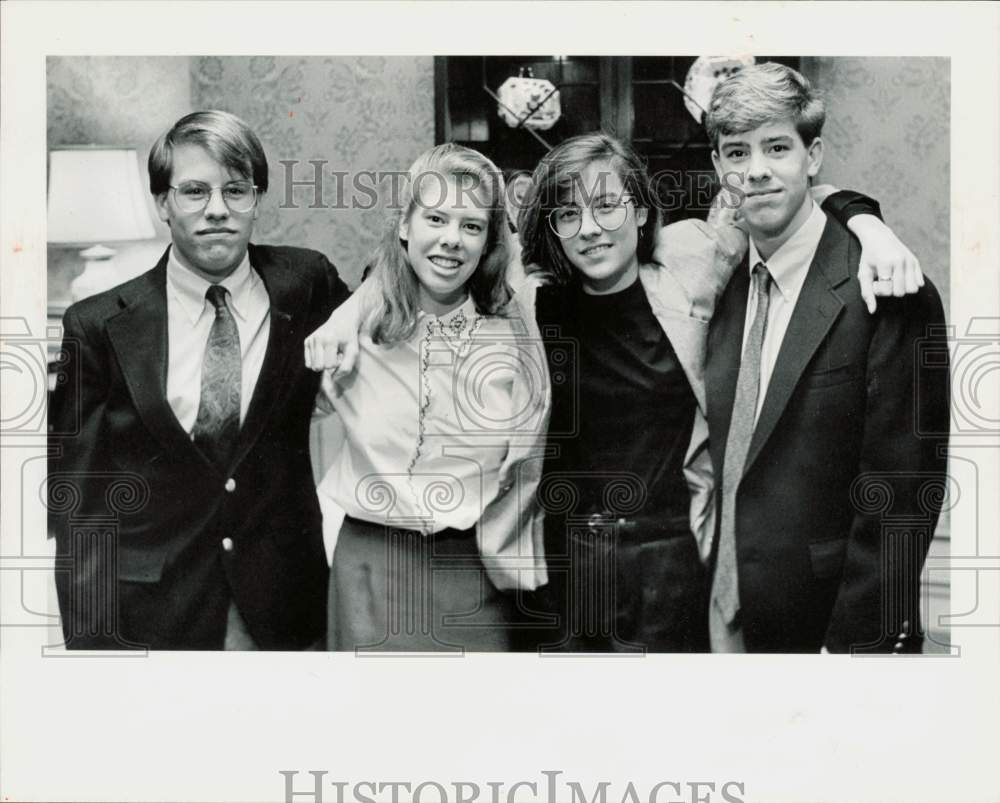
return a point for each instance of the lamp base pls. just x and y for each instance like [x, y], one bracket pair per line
[99, 273]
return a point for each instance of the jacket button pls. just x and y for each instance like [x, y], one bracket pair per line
[230, 485]
[227, 544]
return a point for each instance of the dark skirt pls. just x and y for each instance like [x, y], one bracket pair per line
[625, 589]
[399, 590]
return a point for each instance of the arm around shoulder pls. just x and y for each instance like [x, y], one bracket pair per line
[701, 257]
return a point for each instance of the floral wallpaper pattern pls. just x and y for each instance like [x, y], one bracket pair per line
[887, 134]
[113, 100]
[356, 113]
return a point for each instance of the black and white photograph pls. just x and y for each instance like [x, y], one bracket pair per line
[389, 422]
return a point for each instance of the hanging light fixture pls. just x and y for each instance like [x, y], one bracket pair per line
[529, 102]
[705, 74]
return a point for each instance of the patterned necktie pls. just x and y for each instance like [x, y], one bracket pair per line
[725, 589]
[218, 423]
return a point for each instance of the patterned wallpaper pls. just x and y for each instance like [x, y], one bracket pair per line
[359, 114]
[113, 100]
[888, 134]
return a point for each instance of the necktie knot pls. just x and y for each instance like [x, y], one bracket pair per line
[762, 277]
[216, 295]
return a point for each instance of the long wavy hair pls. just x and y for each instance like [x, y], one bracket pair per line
[394, 319]
[552, 185]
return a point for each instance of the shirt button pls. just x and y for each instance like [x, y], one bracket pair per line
[227, 544]
[230, 485]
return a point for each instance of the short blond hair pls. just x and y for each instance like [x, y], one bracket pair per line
[761, 94]
[229, 140]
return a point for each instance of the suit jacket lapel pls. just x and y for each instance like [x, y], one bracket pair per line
[815, 311]
[138, 335]
[722, 368]
[286, 291]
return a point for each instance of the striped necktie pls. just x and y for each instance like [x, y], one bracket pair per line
[725, 586]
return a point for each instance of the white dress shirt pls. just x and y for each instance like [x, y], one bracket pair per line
[430, 426]
[189, 320]
[788, 267]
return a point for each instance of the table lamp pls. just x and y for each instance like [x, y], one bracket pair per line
[96, 196]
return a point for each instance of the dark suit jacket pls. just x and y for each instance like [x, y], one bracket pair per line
[843, 482]
[140, 514]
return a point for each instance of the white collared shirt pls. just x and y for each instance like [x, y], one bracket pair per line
[409, 455]
[435, 431]
[788, 267]
[189, 320]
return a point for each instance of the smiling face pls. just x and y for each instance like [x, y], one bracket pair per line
[605, 260]
[772, 167]
[212, 242]
[445, 233]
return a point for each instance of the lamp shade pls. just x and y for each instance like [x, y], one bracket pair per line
[96, 195]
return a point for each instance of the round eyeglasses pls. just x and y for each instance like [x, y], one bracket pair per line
[609, 213]
[193, 196]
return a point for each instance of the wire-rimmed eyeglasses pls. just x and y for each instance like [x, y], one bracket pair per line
[193, 196]
[609, 213]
